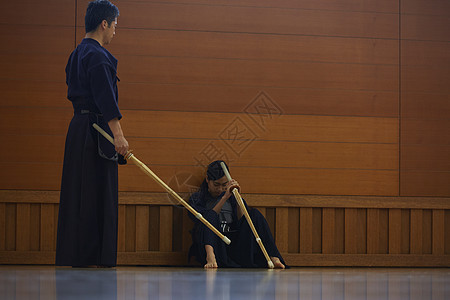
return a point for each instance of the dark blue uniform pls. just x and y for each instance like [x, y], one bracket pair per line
[87, 222]
[243, 250]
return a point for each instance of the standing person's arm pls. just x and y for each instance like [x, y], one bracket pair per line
[120, 143]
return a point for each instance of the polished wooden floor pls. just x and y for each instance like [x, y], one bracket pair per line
[47, 282]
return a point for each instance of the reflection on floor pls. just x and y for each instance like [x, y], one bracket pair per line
[46, 282]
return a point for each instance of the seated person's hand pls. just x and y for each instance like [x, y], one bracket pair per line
[231, 185]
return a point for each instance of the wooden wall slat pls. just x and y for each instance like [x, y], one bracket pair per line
[154, 228]
[10, 225]
[23, 215]
[427, 231]
[416, 246]
[130, 228]
[438, 234]
[328, 231]
[142, 228]
[395, 218]
[373, 231]
[282, 229]
[270, 218]
[447, 232]
[306, 230]
[121, 228]
[35, 226]
[317, 230]
[406, 231]
[293, 230]
[166, 219]
[340, 230]
[48, 227]
[2, 226]
[355, 231]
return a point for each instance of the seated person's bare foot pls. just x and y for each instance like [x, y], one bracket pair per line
[211, 263]
[277, 263]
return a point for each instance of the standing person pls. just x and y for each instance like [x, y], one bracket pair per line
[216, 202]
[88, 209]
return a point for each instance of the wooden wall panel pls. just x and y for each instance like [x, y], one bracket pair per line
[420, 232]
[254, 73]
[30, 67]
[227, 45]
[293, 100]
[50, 12]
[253, 19]
[363, 5]
[425, 156]
[163, 151]
[425, 27]
[54, 121]
[321, 181]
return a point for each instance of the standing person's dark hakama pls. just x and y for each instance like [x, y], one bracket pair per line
[87, 222]
[243, 250]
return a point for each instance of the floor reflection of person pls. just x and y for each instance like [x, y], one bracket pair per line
[215, 201]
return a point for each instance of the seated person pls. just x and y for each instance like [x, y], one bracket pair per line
[216, 202]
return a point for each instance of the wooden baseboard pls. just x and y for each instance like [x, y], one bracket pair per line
[366, 260]
[155, 258]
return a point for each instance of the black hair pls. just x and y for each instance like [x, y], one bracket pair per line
[213, 172]
[97, 11]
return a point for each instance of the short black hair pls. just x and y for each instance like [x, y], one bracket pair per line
[97, 11]
[215, 171]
